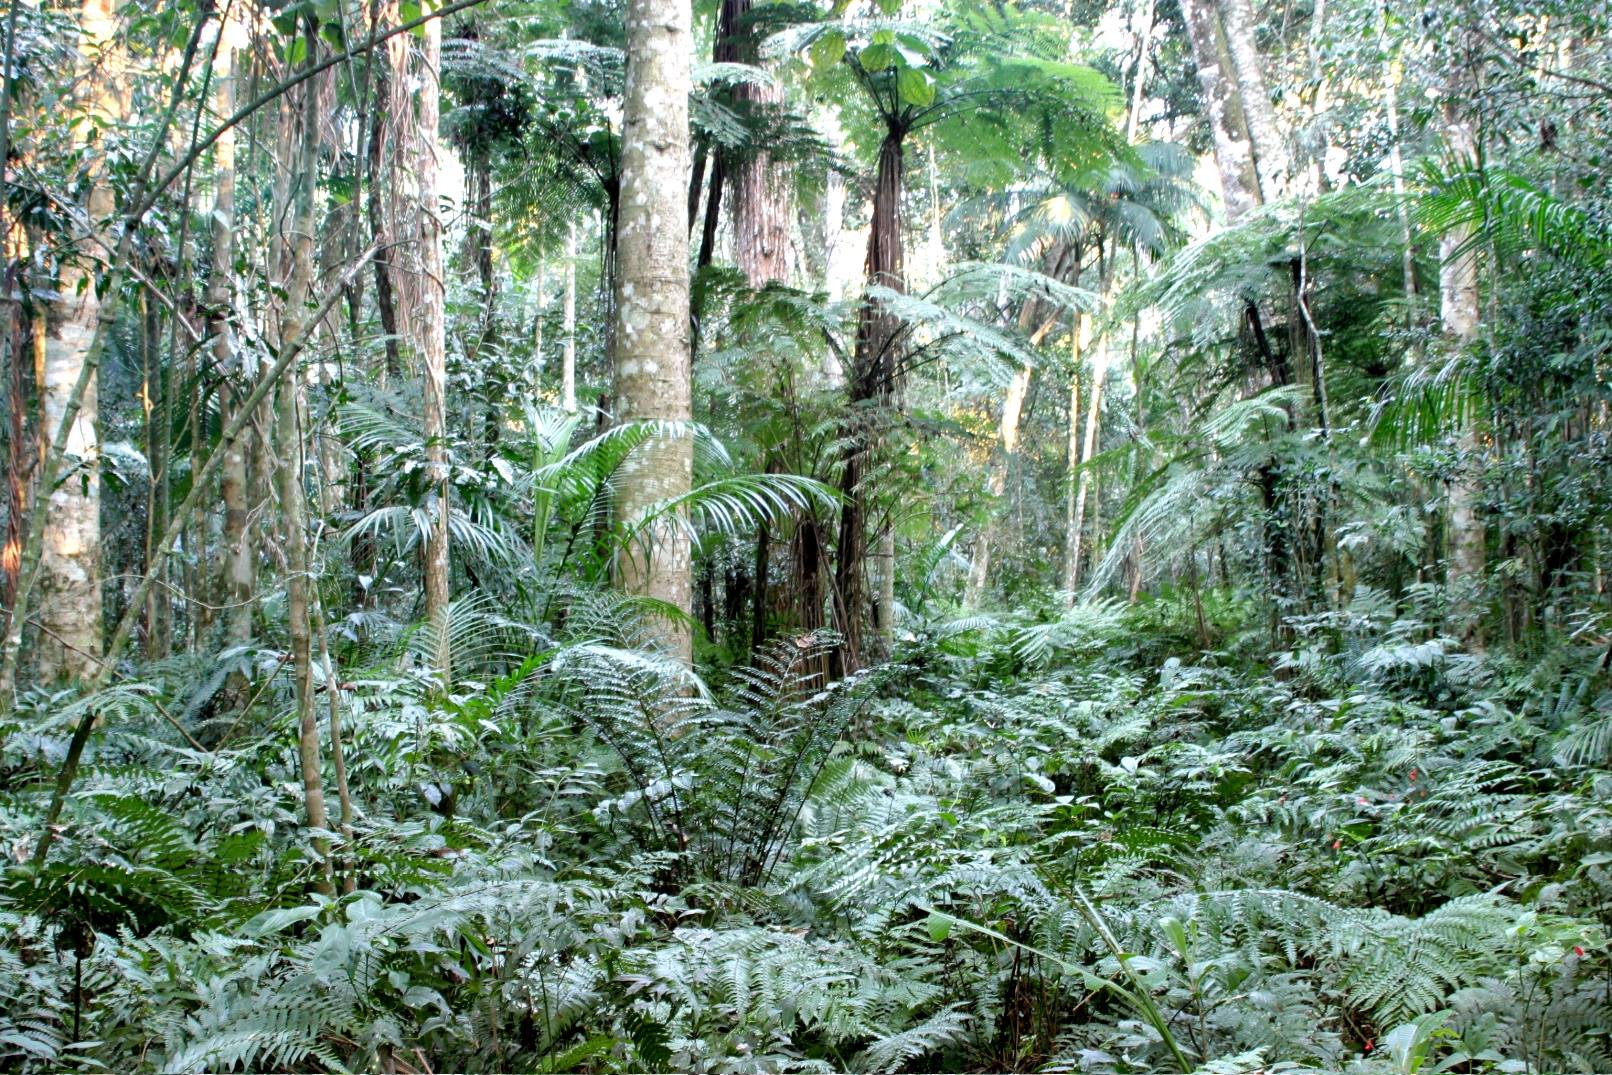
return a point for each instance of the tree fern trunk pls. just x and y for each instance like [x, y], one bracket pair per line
[871, 385]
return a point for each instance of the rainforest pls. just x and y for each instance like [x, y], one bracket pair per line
[750, 536]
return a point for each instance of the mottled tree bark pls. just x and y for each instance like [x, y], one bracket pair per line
[428, 334]
[1458, 311]
[1234, 155]
[1271, 164]
[568, 351]
[239, 565]
[1396, 168]
[1074, 506]
[651, 352]
[1084, 480]
[69, 644]
[296, 252]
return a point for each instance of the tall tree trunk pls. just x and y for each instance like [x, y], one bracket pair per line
[18, 461]
[428, 334]
[12, 244]
[1144, 41]
[1008, 433]
[542, 305]
[1085, 479]
[157, 391]
[240, 557]
[568, 351]
[872, 384]
[1234, 154]
[996, 484]
[69, 646]
[651, 351]
[296, 244]
[1458, 311]
[387, 71]
[1271, 165]
[1396, 168]
[1074, 506]
[760, 203]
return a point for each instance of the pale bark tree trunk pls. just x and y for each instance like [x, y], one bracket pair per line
[1139, 80]
[838, 268]
[428, 329]
[296, 242]
[1085, 480]
[542, 306]
[1458, 310]
[884, 605]
[1073, 505]
[1234, 154]
[1396, 168]
[936, 254]
[1271, 165]
[70, 574]
[996, 484]
[1008, 435]
[69, 644]
[240, 556]
[652, 361]
[568, 352]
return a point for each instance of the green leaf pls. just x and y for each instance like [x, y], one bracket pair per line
[827, 50]
[878, 57]
[274, 921]
[889, 7]
[940, 927]
[915, 87]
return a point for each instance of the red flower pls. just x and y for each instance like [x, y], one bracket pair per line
[1371, 1043]
[1336, 844]
[1577, 951]
[1413, 776]
[1362, 800]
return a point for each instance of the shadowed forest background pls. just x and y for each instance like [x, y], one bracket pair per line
[922, 535]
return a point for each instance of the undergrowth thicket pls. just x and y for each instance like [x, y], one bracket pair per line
[1081, 844]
